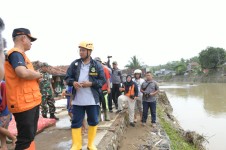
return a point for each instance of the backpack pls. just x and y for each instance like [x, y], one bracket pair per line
[3, 101]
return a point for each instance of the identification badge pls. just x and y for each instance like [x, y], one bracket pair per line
[93, 71]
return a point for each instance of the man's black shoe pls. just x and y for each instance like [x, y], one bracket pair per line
[107, 119]
[118, 111]
[132, 124]
[52, 116]
[111, 111]
[44, 116]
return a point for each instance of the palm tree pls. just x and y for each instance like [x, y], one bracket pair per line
[134, 63]
[180, 68]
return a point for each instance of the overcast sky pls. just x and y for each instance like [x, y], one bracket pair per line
[156, 31]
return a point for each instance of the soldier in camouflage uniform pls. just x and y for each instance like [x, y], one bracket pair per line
[47, 93]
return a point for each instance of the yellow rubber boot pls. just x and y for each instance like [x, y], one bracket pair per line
[76, 134]
[91, 136]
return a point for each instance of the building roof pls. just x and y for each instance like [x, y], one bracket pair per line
[54, 70]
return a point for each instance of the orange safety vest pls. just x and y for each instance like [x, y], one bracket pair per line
[131, 91]
[22, 94]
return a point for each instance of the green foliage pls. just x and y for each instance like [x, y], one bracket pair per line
[180, 68]
[177, 141]
[194, 59]
[151, 69]
[212, 57]
[134, 63]
[197, 70]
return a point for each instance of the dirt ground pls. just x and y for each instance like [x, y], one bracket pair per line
[54, 139]
[135, 136]
[58, 137]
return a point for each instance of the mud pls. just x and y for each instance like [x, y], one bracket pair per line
[57, 137]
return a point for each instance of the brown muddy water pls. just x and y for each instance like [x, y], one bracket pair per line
[201, 108]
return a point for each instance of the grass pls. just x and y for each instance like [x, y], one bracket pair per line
[177, 141]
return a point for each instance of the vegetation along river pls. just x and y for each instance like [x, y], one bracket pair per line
[200, 107]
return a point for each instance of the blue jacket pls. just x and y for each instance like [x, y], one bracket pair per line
[96, 76]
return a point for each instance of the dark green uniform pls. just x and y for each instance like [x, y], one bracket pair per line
[47, 95]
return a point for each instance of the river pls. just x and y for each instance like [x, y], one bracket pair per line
[201, 108]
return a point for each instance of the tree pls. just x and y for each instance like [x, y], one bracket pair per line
[134, 63]
[194, 59]
[180, 68]
[212, 57]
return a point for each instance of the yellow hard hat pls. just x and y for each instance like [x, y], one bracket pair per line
[87, 45]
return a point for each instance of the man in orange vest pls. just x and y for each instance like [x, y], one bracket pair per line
[106, 89]
[130, 89]
[22, 88]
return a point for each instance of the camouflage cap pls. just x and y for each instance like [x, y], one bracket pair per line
[114, 62]
[44, 65]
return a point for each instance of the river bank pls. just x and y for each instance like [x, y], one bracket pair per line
[167, 134]
[214, 77]
[200, 107]
[179, 138]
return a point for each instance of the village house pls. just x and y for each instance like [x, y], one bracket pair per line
[164, 72]
[57, 74]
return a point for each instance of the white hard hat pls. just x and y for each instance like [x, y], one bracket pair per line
[137, 71]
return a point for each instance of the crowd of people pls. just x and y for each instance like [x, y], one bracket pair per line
[91, 87]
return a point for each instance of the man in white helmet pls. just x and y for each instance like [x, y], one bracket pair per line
[138, 105]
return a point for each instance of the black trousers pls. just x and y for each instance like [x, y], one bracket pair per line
[26, 123]
[103, 101]
[115, 94]
[110, 101]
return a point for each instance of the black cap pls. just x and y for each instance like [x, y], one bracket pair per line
[23, 31]
[98, 59]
